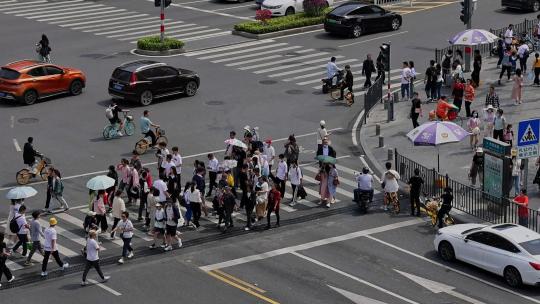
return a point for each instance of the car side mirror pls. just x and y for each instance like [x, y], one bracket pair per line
[63, 72]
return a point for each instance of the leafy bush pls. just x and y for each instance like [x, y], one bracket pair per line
[280, 23]
[314, 8]
[154, 43]
[263, 15]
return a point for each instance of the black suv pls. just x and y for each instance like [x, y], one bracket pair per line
[144, 80]
[531, 5]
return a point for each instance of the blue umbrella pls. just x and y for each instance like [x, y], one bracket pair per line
[100, 182]
[473, 37]
[21, 192]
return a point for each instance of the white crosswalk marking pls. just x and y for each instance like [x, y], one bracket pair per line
[265, 58]
[250, 50]
[101, 19]
[316, 67]
[284, 60]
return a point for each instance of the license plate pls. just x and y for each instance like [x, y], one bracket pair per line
[118, 87]
[333, 21]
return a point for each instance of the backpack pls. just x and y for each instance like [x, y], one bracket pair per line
[109, 113]
[13, 226]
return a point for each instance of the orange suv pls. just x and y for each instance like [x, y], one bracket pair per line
[29, 80]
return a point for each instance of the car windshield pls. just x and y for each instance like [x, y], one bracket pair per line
[121, 75]
[9, 74]
[343, 10]
[471, 230]
[532, 246]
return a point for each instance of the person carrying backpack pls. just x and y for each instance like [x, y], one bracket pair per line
[19, 226]
[446, 65]
[58, 190]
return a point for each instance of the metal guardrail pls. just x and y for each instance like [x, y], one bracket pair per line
[392, 2]
[374, 94]
[485, 49]
[467, 199]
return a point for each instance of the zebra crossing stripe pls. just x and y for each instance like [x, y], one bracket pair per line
[107, 11]
[124, 24]
[207, 36]
[37, 7]
[170, 25]
[150, 22]
[170, 30]
[56, 8]
[97, 21]
[230, 47]
[10, 5]
[319, 73]
[256, 54]
[296, 71]
[283, 61]
[293, 65]
[54, 11]
[247, 50]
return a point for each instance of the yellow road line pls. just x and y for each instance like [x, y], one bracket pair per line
[251, 292]
[237, 280]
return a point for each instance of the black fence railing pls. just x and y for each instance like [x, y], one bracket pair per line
[527, 26]
[468, 199]
[374, 94]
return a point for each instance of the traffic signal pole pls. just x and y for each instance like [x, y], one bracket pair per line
[162, 17]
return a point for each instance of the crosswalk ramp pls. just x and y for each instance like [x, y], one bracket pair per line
[105, 20]
[71, 237]
[289, 63]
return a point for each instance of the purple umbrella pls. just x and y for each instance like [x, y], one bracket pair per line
[473, 37]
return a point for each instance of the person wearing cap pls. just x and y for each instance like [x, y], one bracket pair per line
[270, 153]
[89, 224]
[213, 169]
[489, 118]
[322, 133]
[92, 258]
[159, 226]
[35, 233]
[51, 247]
[477, 167]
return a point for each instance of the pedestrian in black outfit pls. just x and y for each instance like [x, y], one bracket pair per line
[500, 52]
[367, 69]
[415, 183]
[229, 203]
[446, 206]
[347, 82]
[114, 175]
[446, 65]
[49, 190]
[380, 68]
[416, 109]
[244, 184]
[477, 66]
[430, 80]
[43, 49]
[4, 253]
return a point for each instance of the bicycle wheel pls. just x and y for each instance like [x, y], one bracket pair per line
[141, 146]
[44, 173]
[335, 93]
[108, 132]
[162, 139]
[129, 128]
[23, 176]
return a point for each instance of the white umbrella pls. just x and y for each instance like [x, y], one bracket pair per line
[21, 192]
[473, 37]
[236, 142]
[100, 182]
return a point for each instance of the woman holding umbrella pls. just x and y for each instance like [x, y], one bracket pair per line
[333, 182]
[17, 196]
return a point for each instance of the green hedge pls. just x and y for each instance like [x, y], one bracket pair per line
[154, 43]
[280, 23]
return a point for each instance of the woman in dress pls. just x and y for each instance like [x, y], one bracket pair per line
[322, 177]
[474, 128]
[517, 89]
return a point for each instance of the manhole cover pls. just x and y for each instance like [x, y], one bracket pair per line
[328, 49]
[294, 92]
[28, 120]
[268, 82]
[214, 102]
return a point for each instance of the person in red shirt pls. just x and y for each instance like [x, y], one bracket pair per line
[274, 199]
[442, 108]
[523, 209]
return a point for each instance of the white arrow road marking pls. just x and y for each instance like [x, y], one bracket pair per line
[356, 298]
[350, 276]
[437, 287]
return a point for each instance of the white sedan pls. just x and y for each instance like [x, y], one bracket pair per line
[286, 7]
[508, 250]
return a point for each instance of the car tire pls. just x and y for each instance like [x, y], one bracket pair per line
[146, 98]
[536, 6]
[446, 251]
[356, 31]
[75, 88]
[29, 97]
[395, 24]
[191, 88]
[289, 11]
[512, 276]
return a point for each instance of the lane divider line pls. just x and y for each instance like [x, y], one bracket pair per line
[239, 281]
[245, 289]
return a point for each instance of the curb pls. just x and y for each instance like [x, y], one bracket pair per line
[278, 33]
[159, 53]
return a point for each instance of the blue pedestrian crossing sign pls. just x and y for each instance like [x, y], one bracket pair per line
[527, 139]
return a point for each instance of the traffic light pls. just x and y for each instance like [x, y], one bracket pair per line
[157, 3]
[384, 56]
[466, 10]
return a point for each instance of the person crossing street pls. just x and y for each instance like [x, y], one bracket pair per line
[51, 248]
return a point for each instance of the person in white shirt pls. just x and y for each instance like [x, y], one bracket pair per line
[509, 35]
[177, 160]
[118, 207]
[22, 233]
[406, 76]
[51, 247]
[161, 186]
[159, 226]
[295, 177]
[331, 68]
[92, 258]
[270, 153]
[213, 169]
[391, 186]
[261, 190]
[365, 183]
[229, 148]
[523, 54]
[321, 133]
[196, 201]
[162, 153]
[125, 227]
[281, 174]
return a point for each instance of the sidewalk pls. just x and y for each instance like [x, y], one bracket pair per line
[455, 158]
